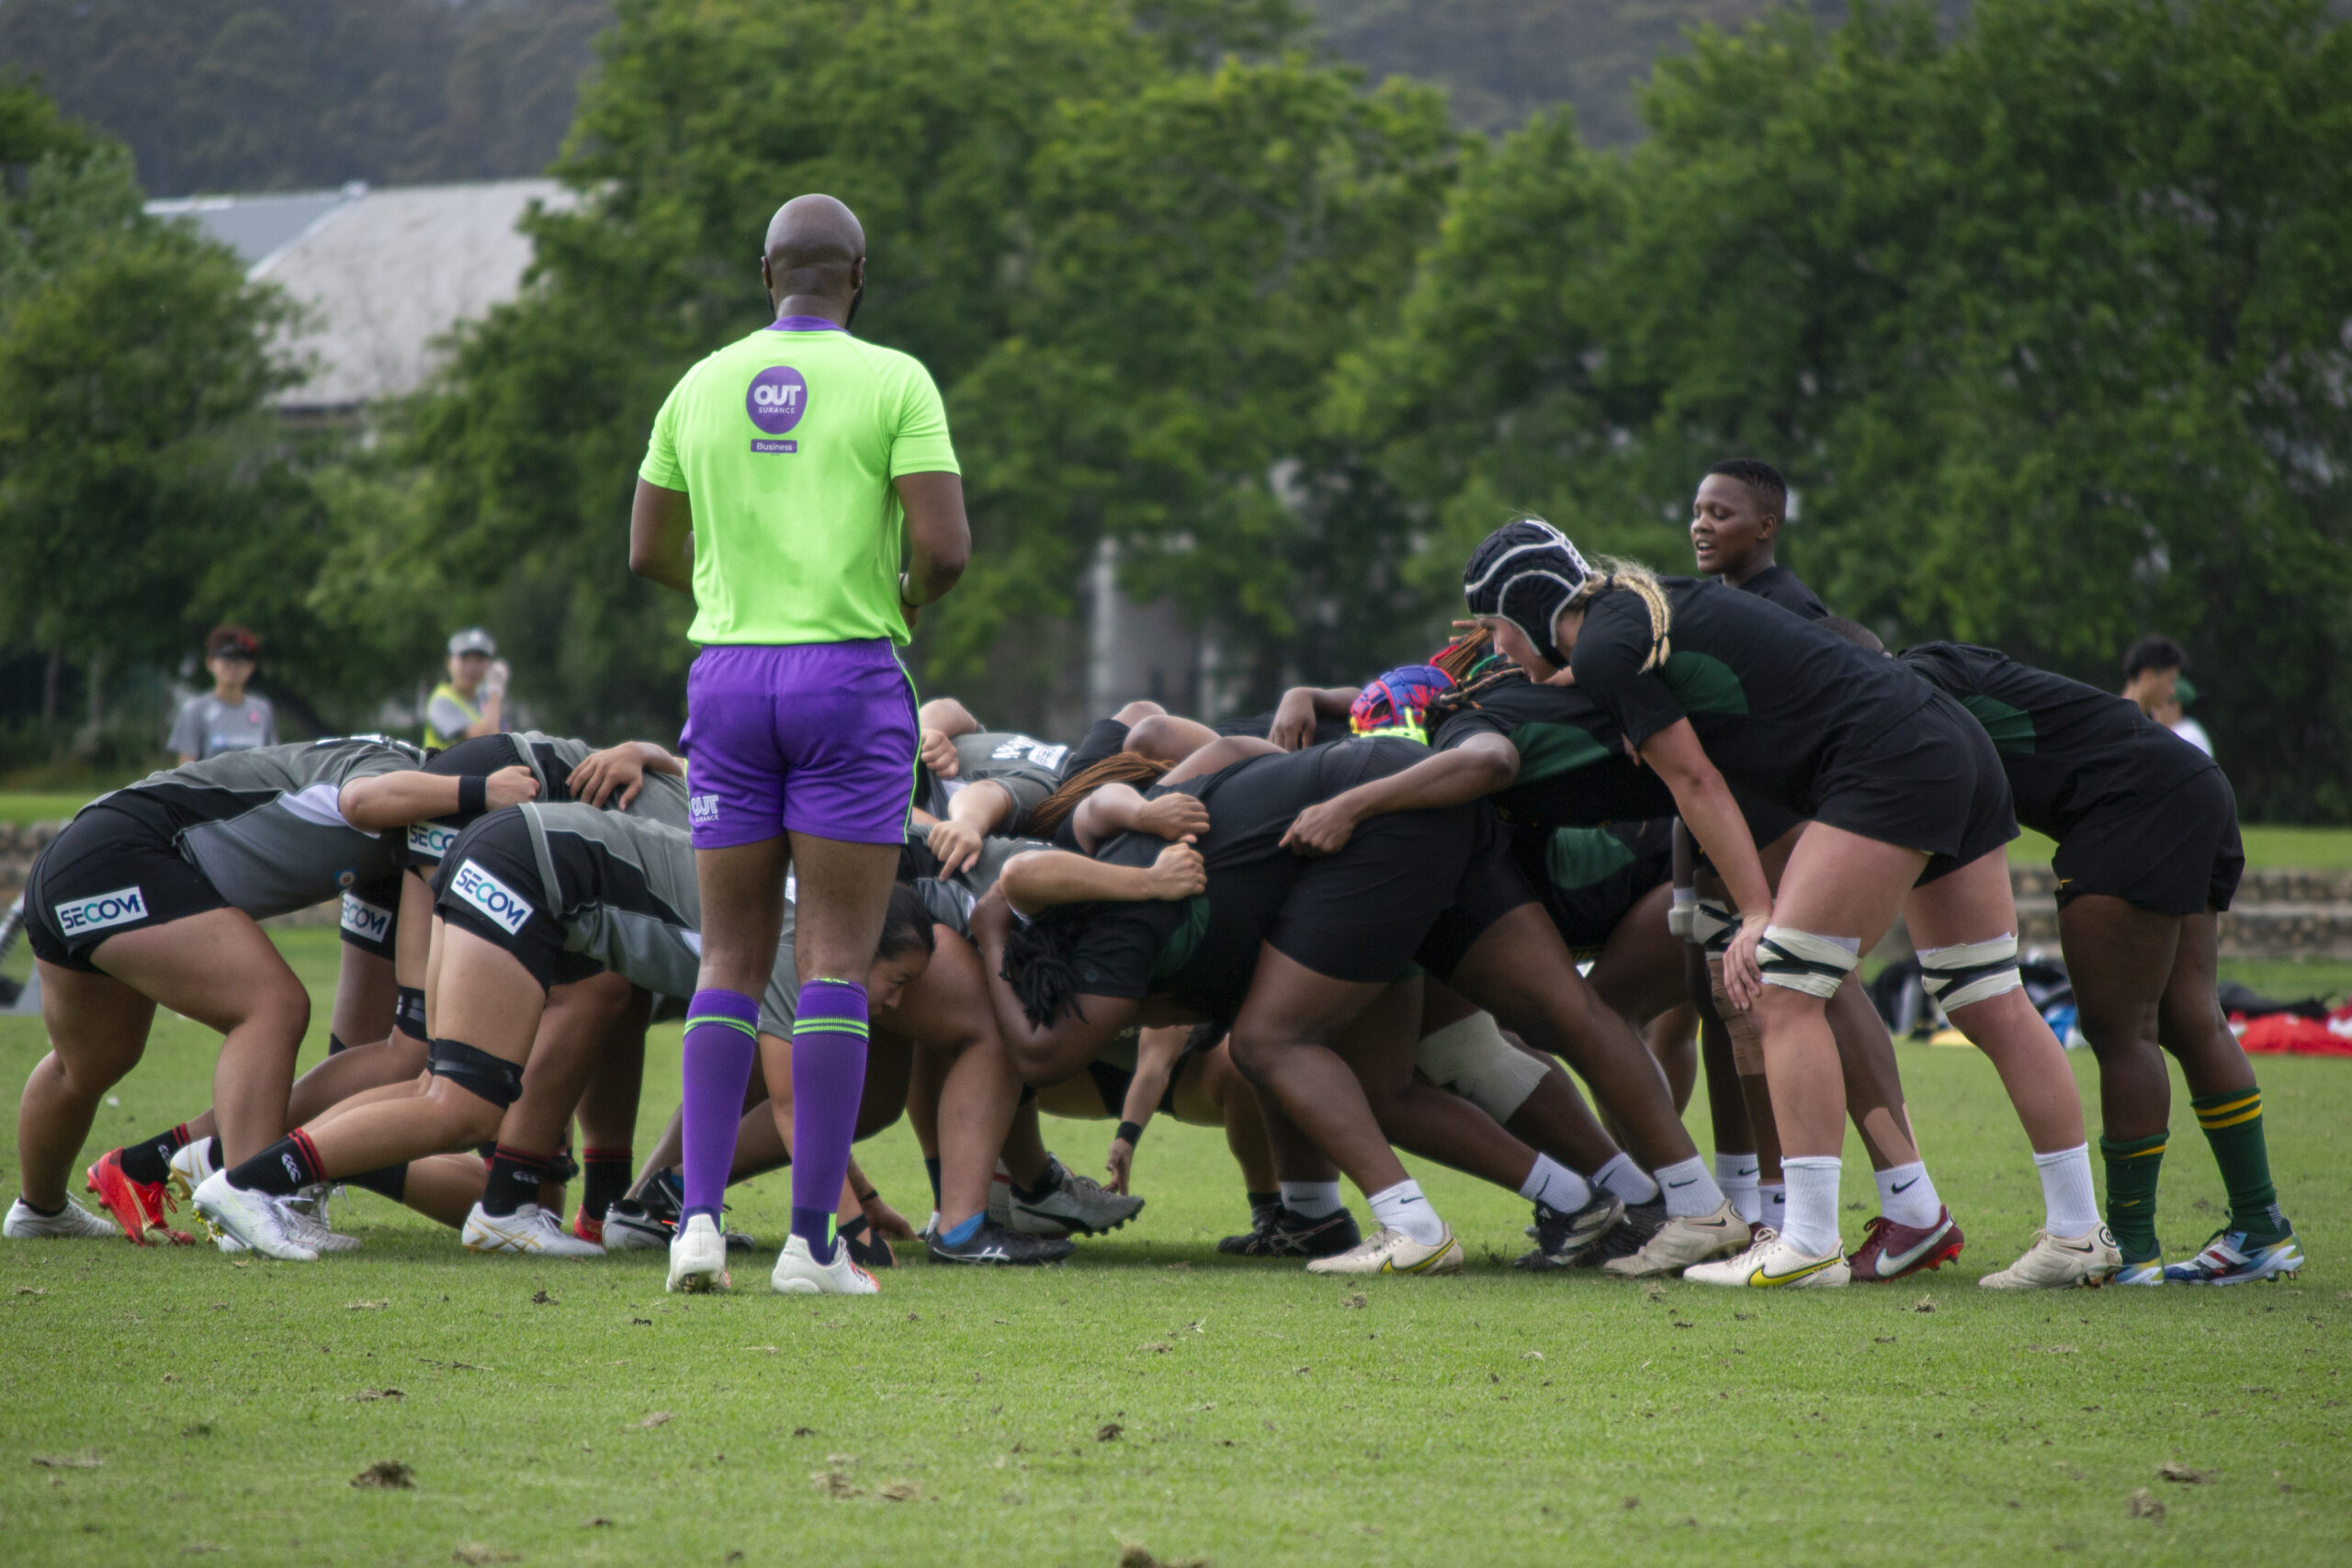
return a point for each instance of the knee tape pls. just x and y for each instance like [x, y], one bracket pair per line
[408, 1012]
[1801, 961]
[1713, 926]
[477, 1072]
[1746, 1040]
[1472, 1059]
[1970, 972]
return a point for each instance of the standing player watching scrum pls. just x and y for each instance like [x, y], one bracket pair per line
[786, 476]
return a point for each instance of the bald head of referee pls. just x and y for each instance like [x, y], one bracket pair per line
[790, 476]
[814, 261]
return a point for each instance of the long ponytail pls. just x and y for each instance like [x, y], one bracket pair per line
[1619, 576]
[1119, 767]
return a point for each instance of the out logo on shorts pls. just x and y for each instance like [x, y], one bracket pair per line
[369, 922]
[101, 910]
[777, 399]
[702, 807]
[430, 839]
[492, 898]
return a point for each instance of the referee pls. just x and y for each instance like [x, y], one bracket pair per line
[788, 477]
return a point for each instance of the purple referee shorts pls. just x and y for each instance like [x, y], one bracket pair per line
[809, 737]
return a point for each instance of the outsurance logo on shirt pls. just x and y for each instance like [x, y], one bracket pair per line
[777, 398]
[97, 913]
[492, 898]
[702, 807]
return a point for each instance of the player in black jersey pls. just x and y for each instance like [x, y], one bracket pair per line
[154, 895]
[1908, 811]
[1735, 522]
[2148, 856]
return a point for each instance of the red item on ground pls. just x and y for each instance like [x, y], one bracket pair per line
[2283, 1034]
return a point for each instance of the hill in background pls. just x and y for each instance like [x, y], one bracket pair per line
[289, 95]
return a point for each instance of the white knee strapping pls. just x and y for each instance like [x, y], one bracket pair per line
[1472, 1058]
[1712, 925]
[1801, 961]
[1970, 972]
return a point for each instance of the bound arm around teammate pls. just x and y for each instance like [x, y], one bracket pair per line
[1157, 1054]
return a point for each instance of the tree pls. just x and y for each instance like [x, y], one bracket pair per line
[141, 484]
[1206, 249]
[2041, 320]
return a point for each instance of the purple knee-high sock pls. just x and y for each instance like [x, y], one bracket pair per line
[722, 1040]
[828, 1081]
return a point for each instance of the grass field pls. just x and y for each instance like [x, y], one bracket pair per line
[165, 1402]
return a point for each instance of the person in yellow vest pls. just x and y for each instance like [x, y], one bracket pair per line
[472, 701]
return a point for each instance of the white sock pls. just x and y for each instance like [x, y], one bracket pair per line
[1311, 1199]
[1772, 1205]
[1690, 1190]
[1907, 1196]
[1402, 1208]
[1625, 1179]
[1813, 1204]
[1735, 1174]
[2067, 1198]
[1554, 1186]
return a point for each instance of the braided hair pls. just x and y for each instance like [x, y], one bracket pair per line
[1119, 767]
[1617, 576]
[1041, 964]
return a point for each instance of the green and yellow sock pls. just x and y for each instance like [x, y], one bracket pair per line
[2133, 1166]
[2233, 1124]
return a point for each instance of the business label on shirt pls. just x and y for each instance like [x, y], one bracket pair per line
[509, 909]
[369, 922]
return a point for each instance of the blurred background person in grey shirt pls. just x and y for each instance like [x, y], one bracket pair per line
[228, 717]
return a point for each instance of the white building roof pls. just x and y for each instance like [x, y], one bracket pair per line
[384, 273]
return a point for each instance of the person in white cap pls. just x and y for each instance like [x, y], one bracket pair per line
[472, 701]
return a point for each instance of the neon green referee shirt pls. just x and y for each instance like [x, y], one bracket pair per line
[786, 444]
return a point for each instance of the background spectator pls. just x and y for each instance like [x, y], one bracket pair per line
[228, 717]
[2153, 678]
[2170, 715]
[472, 701]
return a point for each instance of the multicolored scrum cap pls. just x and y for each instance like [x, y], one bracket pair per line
[1397, 702]
[1525, 572]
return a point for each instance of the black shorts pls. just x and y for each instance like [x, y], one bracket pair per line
[1934, 783]
[1112, 1082]
[1104, 737]
[371, 917]
[2176, 854]
[1362, 914]
[113, 869]
[498, 848]
[1487, 887]
[1586, 915]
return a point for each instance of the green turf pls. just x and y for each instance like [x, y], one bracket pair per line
[1261, 1416]
[2267, 848]
[24, 807]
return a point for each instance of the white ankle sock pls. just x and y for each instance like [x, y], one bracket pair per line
[1690, 1190]
[1772, 1200]
[1626, 1180]
[1556, 1186]
[1311, 1199]
[2067, 1197]
[1907, 1196]
[1813, 1204]
[1402, 1208]
[1735, 1174]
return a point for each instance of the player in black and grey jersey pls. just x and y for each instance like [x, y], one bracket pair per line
[153, 895]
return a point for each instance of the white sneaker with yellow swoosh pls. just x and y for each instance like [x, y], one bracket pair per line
[1388, 1251]
[1771, 1263]
[2061, 1262]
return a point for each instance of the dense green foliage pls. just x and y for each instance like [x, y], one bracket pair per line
[2047, 325]
[2045, 316]
[144, 490]
[262, 94]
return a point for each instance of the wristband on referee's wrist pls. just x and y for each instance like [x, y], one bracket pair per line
[1129, 1133]
[473, 792]
[870, 1194]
